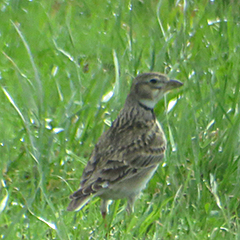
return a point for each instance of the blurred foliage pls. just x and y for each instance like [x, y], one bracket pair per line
[65, 70]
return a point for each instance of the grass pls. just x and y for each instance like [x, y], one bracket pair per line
[60, 63]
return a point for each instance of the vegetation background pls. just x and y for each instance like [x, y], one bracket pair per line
[65, 70]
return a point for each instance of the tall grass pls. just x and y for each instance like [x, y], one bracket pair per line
[65, 70]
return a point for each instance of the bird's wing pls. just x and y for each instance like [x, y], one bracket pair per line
[123, 157]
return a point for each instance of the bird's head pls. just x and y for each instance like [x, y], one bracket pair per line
[149, 88]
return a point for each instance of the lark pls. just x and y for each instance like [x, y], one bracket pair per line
[130, 151]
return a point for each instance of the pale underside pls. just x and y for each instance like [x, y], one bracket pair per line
[129, 152]
[136, 160]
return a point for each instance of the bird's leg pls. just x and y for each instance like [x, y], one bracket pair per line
[104, 210]
[130, 204]
[104, 207]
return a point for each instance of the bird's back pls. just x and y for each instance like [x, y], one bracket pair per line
[125, 157]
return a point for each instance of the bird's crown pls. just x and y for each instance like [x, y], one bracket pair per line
[149, 88]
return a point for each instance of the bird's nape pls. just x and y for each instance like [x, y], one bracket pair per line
[127, 155]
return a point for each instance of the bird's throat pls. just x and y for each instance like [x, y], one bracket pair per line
[148, 103]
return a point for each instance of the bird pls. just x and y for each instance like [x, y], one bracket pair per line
[128, 154]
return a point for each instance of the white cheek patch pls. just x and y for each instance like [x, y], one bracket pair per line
[148, 103]
[157, 94]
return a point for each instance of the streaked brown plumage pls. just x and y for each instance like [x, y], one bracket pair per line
[129, 152]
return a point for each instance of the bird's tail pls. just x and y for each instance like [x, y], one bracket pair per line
[78, 201]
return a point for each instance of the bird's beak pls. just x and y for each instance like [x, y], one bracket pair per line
[171, 84]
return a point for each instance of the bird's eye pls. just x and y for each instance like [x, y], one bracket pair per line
[153, 81]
